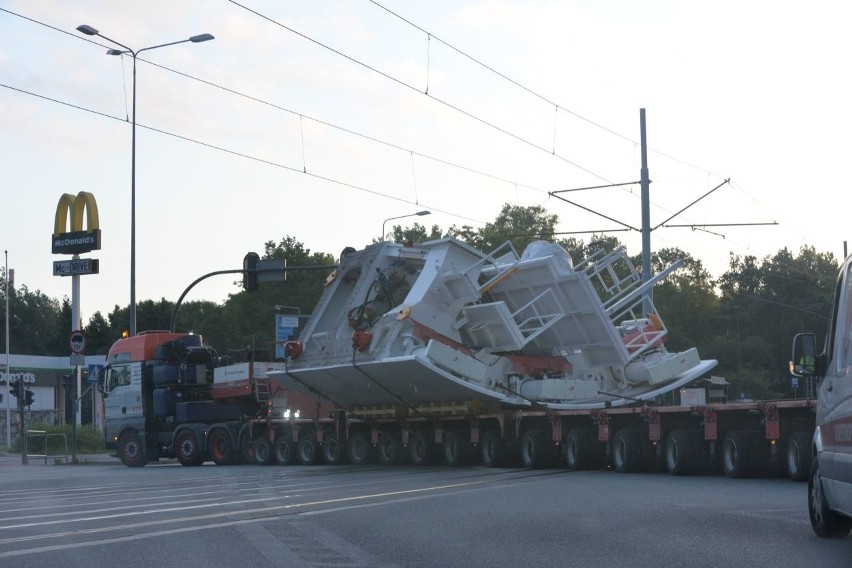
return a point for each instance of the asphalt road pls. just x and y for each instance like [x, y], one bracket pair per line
[346, 517]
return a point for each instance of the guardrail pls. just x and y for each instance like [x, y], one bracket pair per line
[44, 436]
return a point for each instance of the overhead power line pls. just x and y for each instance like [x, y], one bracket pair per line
[246, 156]
[529, 90]
[400, 82]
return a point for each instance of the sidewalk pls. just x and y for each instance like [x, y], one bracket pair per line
[12, 459]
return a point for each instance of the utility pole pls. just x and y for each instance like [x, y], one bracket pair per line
[645, 184]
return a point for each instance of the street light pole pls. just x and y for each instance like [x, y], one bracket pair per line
[418, 214]
[8, 375]
[89, 30]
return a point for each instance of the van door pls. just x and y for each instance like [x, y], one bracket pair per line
[835, 403]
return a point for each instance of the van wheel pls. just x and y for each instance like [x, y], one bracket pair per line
[825, 522]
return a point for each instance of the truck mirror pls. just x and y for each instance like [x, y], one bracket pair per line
[804, 355]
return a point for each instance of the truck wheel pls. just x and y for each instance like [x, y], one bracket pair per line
[493, 450]
[284, 451]
[262, 451]
[361, 450]
[421, 447]
[390, 449]
[188, 449]
[825, 522]
[456, 448]
[221, 447]
[582, 451]
[131, 450]
[798, 456]
[627, 455]
[333, 451]
[737, 454]
[679, 453]
[534, 449]
[309, 451]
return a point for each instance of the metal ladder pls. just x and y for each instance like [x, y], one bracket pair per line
[261, 389]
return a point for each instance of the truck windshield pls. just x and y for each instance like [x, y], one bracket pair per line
[117, 376]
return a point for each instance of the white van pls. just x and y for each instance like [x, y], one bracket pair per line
[830, 481]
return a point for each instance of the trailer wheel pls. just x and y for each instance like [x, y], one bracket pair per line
[390, 449]
[309, 451]
[534, 449]
[131, 450]
[422, 448]
[221, 447]
[679, 453]
[361, 450]
[456, 448]
[738, 454]
[627, 455]
[825, 522]
[582, 451]
[284, 450]
[798, 456]
[333, 451]
[262, 451]
[493, 449]
[188, 449]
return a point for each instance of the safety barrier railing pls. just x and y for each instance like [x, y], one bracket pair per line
[44, 438]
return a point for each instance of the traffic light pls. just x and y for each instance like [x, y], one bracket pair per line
[250, 262]
[29, 397]
[15, 387]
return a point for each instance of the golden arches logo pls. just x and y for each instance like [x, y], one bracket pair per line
[75, 205]
[77, 239]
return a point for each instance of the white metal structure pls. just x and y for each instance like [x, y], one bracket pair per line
[443, 322]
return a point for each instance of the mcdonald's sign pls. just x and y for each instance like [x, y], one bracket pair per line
[76, 240]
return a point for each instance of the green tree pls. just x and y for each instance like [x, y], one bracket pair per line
[35, 322]
[516, 224]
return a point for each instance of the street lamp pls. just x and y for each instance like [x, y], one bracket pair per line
[418, 214]
[89, 30]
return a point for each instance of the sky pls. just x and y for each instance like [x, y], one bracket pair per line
[321, 120]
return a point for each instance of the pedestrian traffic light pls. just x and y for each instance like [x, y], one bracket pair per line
[29, 397]
[250, 262]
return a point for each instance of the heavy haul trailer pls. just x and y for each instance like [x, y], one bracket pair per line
[432, 350]
[738, 439]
